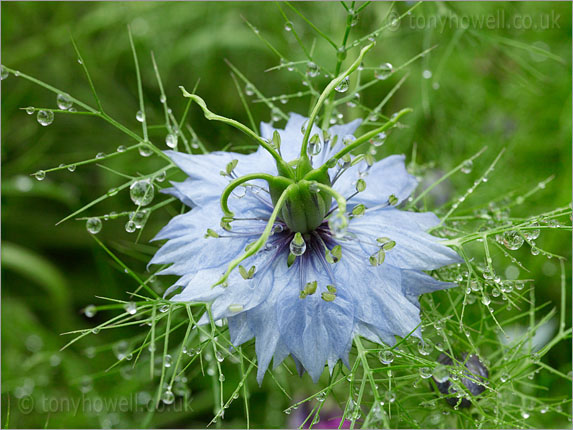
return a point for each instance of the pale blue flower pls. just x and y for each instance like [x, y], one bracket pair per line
[371, 291]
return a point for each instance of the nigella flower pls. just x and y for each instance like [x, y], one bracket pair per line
[299, 245]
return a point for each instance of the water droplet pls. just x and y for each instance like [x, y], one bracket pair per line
[130, 308]
[130, 226]
[164, 308]
[145, 149]
[120, 349]
[297, 247]
[240, 192]
[222, 378]
[45, 117]
[40, 175]
[379, 139]
[436, 85]
[30, 110]
[425, 348]
[467, 166]
[383, 71]
[314, 145]
[532, 234]
[427, 74]
[90, 311]
[64, 101]
[288, 26]
[121, 148]
[485, 300]
[167, 360]
[162, 98]
[142, 192]
[171, 140]
[312, 69]
[100, 155]
[86, 384]
[4, 73]
[441, 373]
[140, 116]
[168, 397]
[504, 377]
[249, 90]
[386, 357]
[342, 87]
[524, 414]
[93, 225]
[337, 223]
[390, 396]
[512, 240]
[425, 372]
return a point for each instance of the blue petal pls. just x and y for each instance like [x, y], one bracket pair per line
[386, 177]
[415, 249]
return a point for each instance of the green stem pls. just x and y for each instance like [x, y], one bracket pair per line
[284, 168]
[367, 136]
[236, 182]
[329, 88]
[259, 243]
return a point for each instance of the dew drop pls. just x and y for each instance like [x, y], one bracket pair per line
[64, 101]
[219, 357]
[337, 223]
[249, 90]
[342, 87]
[121, 148]
[427, 74]
[283, 99]
[168, 397]
[100, 155]
[30, 110]
[379, 139]
[93, 225]
[140, 116]
[312, 69]
[425, 348]
[288, 26]
[142, 192]
[171, 140]
[162, 98]
[467, 166]
[167, 360]
[512, 240]
[386, 357]
[222, 378]
[145, 149]
[425, 372]
[120, 349]
[90, 311]
[130, 226]
[45, 117]
[504, 377]
[486, 300]
[130, 308]
[40, 175]
[383, 71]
[314, 145]
[4, 73]
[297, 247]
[164, 308]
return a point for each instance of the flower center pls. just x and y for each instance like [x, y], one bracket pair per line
[305, 206]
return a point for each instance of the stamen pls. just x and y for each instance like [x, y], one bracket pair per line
[260, 242]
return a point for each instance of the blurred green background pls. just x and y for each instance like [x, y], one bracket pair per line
[488, 86]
